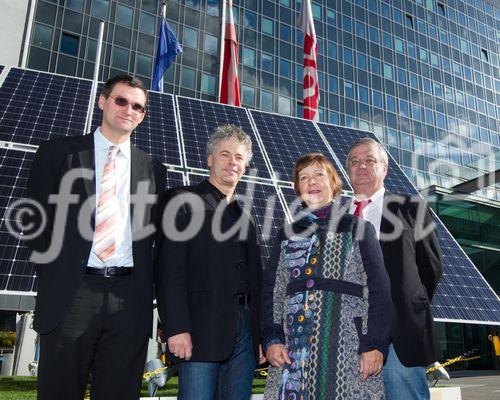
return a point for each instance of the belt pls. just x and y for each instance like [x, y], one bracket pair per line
[108, 271]
[243, 298]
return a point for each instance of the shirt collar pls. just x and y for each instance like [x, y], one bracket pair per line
[377, 197]
[102, 144]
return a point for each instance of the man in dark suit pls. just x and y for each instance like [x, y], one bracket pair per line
[94, 255]
[413, 261]
[210, 277]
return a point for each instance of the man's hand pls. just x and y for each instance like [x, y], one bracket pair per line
[371, 363]
[277, 355]
[180, 345]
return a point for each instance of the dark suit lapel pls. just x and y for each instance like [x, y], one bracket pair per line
[386, 227]
[87, 160]
[140, 171]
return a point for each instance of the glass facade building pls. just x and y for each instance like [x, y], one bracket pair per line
[423, 75]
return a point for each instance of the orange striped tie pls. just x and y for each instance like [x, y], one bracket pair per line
[106, 217]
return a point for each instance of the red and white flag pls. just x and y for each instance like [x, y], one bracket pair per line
[311, 87]
[229, 88]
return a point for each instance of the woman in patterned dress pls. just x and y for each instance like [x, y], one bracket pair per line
[326, 298]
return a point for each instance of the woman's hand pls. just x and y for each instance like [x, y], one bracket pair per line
[371, 363]
[277, 355]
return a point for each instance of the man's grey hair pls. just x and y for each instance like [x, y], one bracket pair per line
[232, 132]
[382, 154]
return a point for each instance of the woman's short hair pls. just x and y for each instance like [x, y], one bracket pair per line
[317, 158]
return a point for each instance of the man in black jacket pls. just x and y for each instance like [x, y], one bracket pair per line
[93, 258]
[412, 258]
[210, 277]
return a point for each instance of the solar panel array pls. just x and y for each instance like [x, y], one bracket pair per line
[36, 106]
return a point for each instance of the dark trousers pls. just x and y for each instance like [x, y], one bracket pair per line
[99, 335]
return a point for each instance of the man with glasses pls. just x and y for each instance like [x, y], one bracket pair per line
[94, 296]
[413, 261]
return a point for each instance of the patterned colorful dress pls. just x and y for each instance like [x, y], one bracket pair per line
[326, 297]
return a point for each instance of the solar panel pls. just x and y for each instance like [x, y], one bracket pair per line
[1, 68]
[35, 106]
[157, 134]
[462, 293]
[268, 214]
[174, 179]
[341, 139]
[285, 139]
[199, 119]
[16, 272]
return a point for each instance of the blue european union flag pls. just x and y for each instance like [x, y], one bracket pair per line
[168, 48]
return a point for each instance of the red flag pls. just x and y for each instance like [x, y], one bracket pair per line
[229, 87]
[311, 87]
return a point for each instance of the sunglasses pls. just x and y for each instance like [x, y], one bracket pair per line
[122, 102]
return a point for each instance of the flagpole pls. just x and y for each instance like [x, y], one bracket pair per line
[164, 10]
[93, 92]
[222, 44]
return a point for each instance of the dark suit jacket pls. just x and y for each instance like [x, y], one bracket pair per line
[414, 268]
[195, 278]
[59, 279]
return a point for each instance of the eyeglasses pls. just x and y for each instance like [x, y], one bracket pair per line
[369, 161]
[122, 102]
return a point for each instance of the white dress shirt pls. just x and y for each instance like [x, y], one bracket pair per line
[373, 210]
[123, 239]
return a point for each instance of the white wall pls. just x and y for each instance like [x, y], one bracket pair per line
[13, 15]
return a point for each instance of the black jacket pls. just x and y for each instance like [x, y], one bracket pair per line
[196, 278]
[59, 279]
[414, 266]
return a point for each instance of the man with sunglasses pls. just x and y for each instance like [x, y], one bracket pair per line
[94, 298]
[412, 259]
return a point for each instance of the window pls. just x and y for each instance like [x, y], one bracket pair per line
[377, 99]
[69, 44]
[248, 94]
[388, 71]
[124, 15]
[250, 20]
[347, 56]
[374, 34]
[120, 58]
[75, 4]
[249, 57]
[147, 23]
[190, 37]
[346, 23]
[409, 21]
[360, 29]
[208, 84]
[284, 106]
[188, 77]
[349, 90]
[441, 10]
[391, 103]
[332, 50]
[285, 68]
[484, 55]
[363, 94]
[266, 100]
[211, 44]
[100, 8]
[361, 61]
[333, 84]
[375, 65]
[42, 36]
[143, 65]
[267, 62]
[268, 26]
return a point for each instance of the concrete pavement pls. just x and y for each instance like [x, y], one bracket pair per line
[475, 385]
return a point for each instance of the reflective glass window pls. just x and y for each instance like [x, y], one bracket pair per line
[69, 44]
[100, 8]
[250, 20]
[403, 108]
[268, 26]
[190, 37]
[388, 73]
[124, 15]
[333, 84]
[346, 23]
[267, 62]
[374, 34]
[391, 103]
[248, 56]
[284, 105]
[211, 44]
[147, 23]
[266, 100]
[143, 65]
[212, 7]
[347, 56]
[42, 36]
[349, 90]
[332, 50]
[285, 68]
[361, 61]
[285, 32]
[248, 95]
[399, 46]
[377, 99]
[360, 29]
[188, 77]
[363, 94]
[75, 4]
[120, 58]
[375, 65]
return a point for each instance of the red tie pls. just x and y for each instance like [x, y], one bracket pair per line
[360, 206]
